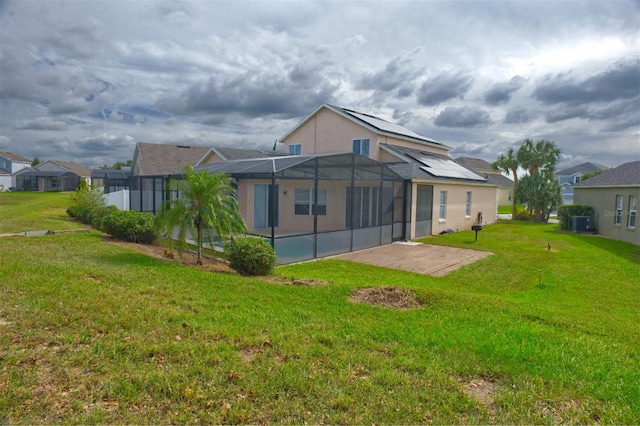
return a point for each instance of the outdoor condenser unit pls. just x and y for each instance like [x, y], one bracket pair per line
[580, 223]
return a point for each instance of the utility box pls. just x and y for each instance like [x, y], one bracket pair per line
[580, 223]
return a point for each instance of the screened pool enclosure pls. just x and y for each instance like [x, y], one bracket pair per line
[307, 207]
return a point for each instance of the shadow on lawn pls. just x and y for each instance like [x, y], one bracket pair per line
[621, 249]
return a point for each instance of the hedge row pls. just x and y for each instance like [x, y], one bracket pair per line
[89, 207]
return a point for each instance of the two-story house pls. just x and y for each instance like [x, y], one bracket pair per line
[11, 163]
[440, 193]
[572, 175]
[342, 181]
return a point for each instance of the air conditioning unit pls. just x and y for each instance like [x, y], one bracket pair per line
[580, 223]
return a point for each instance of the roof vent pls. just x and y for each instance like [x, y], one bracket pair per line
[184, 146]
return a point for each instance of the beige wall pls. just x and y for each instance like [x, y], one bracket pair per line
[290, 223]
[328, 133]
[603, 201]
[503, 196]
[483, 199]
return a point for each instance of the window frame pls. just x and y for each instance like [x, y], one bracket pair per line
[467, 205]
[362, 146]
[297, 147]
[617, 219]
[311, 208]
[442, 211]
[633, 211]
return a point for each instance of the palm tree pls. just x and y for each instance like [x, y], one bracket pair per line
[539, 158]
[509, 164]
[205, 206]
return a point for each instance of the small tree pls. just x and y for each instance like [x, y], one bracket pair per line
[509, 164]
[206, 206]
[35, 161]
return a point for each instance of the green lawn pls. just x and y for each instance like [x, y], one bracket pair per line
[35, 211]
[91, 332]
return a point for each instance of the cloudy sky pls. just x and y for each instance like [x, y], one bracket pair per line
[85, 81]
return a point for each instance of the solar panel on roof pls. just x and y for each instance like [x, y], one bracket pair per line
[442, 167]
[388, 127]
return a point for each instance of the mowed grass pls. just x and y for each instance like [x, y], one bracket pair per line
[91, 332]
[35, 211]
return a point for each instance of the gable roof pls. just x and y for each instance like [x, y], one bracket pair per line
[483, 168]
[372, 123]
[424, 165]
[627, 174]
[77, 169]
[14, 157]
[582, 169]
[161, 159]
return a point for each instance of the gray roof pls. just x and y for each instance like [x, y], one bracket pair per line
[74, 168]
[244, 154]
[582, 169]
[628, 174]
[161, 159]
[483, 168]
[14, 157]
[383, 125]
[424, 165]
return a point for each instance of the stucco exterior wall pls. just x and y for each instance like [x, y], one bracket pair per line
[603, 201]
[482, 200]
[328, 133]
[504, 196]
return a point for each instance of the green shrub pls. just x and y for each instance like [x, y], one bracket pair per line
[566, 213]
[84, 202]
[130, 226]
[251, 256]
[523, 215]
[97, 216]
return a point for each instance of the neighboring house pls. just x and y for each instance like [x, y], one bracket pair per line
[111, 180]
[569, 177]
[506, 189]
[614, 196]
[154, 163]
[52, 176]
[441, 194]
[10, 164]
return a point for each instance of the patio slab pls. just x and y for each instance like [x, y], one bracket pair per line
[416, 257]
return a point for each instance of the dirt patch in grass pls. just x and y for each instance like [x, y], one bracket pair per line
[482, 391]
[188, 257]
[390, 297]
[293, 281]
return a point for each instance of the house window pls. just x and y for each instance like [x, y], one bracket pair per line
[443, 205]
[303, 203]
[361, 146]
[295, 149]
[263, 215]
[365, 207]
[618, 217]
[467, 207]
[510, 195]
[633, 211]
